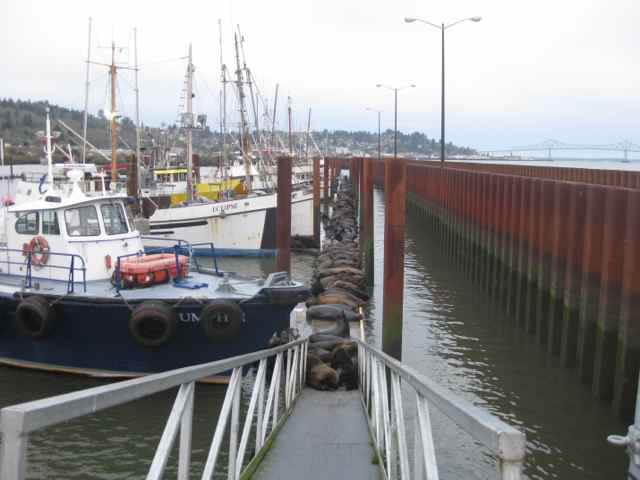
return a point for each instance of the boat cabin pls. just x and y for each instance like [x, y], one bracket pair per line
[59, 229]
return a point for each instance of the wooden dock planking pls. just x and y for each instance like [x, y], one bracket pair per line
[326, 436]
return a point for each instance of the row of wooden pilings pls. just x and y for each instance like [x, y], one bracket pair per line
[556, 248]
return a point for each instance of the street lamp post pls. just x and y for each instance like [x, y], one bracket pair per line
[442, 27]
[379, 112]
[395, 114]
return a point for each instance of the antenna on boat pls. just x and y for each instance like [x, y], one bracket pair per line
[306, 142]
[273, 122]
[138, 160]
[290, 134]
[114, 125]
[86, 100]
[49, 152]
[187, 123]
[223, 110]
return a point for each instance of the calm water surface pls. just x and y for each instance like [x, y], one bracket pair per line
[451, 334]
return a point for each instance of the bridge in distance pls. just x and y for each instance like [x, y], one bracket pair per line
[624, 146]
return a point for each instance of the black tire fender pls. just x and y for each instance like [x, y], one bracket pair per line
[35, 318]
[153, 323]
[221, 320]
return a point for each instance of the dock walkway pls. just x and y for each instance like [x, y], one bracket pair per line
[326, 436]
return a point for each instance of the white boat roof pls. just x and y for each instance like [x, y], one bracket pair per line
[76, 198]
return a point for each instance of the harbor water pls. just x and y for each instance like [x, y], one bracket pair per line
[452, 334]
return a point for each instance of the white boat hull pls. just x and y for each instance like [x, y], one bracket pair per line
[242, 227]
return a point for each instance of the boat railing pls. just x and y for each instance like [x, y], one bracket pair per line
[76, 265]
[384, 380]
[250, 428]
[183, 247]
[91, 185]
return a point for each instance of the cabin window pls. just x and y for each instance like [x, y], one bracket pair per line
[27, 224]
[113, 218]
[50, 223]
[82, 221]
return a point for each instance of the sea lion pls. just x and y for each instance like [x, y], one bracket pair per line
[320, 376]
[331, 312]
[342, 363]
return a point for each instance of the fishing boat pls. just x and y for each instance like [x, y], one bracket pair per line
[78, 293]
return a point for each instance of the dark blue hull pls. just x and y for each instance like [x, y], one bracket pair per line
[94, 335]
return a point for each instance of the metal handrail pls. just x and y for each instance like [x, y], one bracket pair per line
[184, 244]
[28, 262]
[382, 379]
[18, 421]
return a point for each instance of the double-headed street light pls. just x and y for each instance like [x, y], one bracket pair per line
[442, 27]
[395, 114]
[379, 112]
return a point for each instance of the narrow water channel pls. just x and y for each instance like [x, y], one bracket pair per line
[454, 335]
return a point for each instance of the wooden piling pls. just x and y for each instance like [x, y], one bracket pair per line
[283, 215]
[325, 183]
[316, 201]
[590, 285]
[366, 219]
[610, 292]
[561, 207]
[628, 348]
[394, 230]
[532, 263]
[573, 274]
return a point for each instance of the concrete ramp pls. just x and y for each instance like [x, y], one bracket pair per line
[326, 436]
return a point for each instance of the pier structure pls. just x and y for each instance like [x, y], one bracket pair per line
[555, 248]
[271, 426]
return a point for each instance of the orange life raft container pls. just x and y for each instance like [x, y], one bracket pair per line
[147, 270]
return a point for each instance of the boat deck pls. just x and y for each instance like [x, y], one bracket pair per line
[326, 436]
[212, 286]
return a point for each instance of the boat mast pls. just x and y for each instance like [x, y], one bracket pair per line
[250, 83]
[188, 124]
[223, 110]
[138, 160]
[86, 100]
[114, 125]
[244, 134]
[273, 122]
[290, 134]
[49, 152]
[306, 143]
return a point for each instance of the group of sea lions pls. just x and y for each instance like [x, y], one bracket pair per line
[338, 286]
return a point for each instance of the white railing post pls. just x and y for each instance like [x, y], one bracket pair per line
[259, 436]
[426, 455]
[272, 400]
[278, 387]
[13, 452]
[286, 380]
[221, 425]
[184, 461]
[248, 422]
[233, 428]
[170, 432]
[386, 423]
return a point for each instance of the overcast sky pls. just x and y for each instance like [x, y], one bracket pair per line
[530, 70]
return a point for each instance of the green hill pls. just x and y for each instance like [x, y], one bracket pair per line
[20, 122]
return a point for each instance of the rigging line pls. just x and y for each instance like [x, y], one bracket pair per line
[160, 62]
[206, 84]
